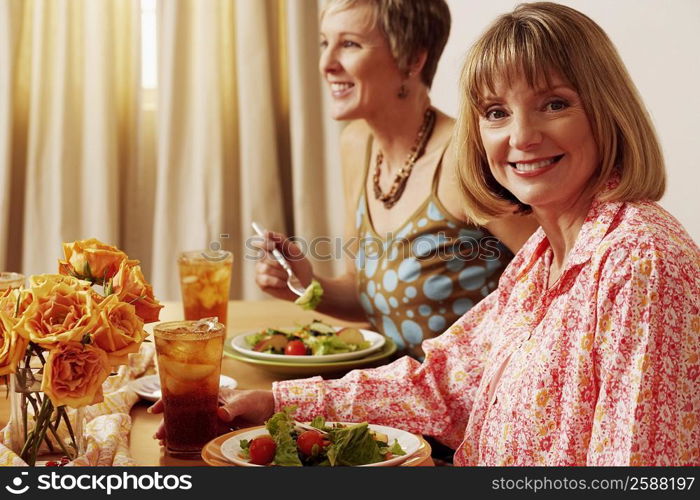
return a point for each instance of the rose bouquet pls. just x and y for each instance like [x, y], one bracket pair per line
[62, 336]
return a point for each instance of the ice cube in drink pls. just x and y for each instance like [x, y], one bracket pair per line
[205, 278]
[189, 363]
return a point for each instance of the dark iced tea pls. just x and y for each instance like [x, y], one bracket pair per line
[189, 362]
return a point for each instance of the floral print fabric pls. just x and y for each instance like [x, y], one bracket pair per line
[602, 368]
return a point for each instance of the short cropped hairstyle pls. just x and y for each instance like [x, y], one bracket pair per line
[410, 26]
[534, 41]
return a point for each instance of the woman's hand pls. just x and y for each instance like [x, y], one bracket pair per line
[269, 274]
[246, 408]
[238, 409]
[340, 297]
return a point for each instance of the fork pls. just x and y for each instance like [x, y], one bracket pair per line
[293, 282]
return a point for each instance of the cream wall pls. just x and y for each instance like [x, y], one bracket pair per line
[658, 41]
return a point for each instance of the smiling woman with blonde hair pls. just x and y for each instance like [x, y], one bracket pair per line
[627, 142]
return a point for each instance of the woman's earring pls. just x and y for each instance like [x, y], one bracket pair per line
[403, 91]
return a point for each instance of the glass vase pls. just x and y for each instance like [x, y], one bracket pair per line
[39, 432]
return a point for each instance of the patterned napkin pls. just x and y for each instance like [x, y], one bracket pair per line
[107, 424]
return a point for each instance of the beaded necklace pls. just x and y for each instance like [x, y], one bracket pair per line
[399, 184]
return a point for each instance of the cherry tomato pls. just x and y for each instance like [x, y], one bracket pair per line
[295, 348]
[262, 450]
[307, 440]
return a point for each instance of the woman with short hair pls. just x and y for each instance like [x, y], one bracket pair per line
[418, 262]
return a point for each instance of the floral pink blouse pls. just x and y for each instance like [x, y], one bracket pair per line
[603, 368]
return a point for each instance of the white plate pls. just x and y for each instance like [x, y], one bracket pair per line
[375, 339]
[231, 448]
[149, 387]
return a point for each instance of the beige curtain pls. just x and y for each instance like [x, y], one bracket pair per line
[236, 132]
[241, 133]
[68, 94]
[317, 190]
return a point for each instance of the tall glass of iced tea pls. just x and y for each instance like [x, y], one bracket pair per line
[205, 278]
[189, 363]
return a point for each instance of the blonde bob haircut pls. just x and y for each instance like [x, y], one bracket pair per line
[410, 26]
[535, 41]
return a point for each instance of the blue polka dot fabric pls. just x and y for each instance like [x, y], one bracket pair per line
[417, 282]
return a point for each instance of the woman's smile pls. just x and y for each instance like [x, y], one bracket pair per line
[340, 90]
[531, 168]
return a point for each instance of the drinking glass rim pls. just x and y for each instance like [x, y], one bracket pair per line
[160, 330]
[11, 276]
[205, 255]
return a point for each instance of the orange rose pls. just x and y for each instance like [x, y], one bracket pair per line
[130, 286]
[59, 311]
[74, 373]
[119, 330]
[90, 259]
[36, 280]
[12, 342]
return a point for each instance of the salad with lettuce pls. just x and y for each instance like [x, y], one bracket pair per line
[317, 444]
[311, 297]
[316, 339]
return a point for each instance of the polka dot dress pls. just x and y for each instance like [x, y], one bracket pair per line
[416, 282]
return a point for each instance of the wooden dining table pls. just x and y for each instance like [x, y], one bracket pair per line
[242, 316]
